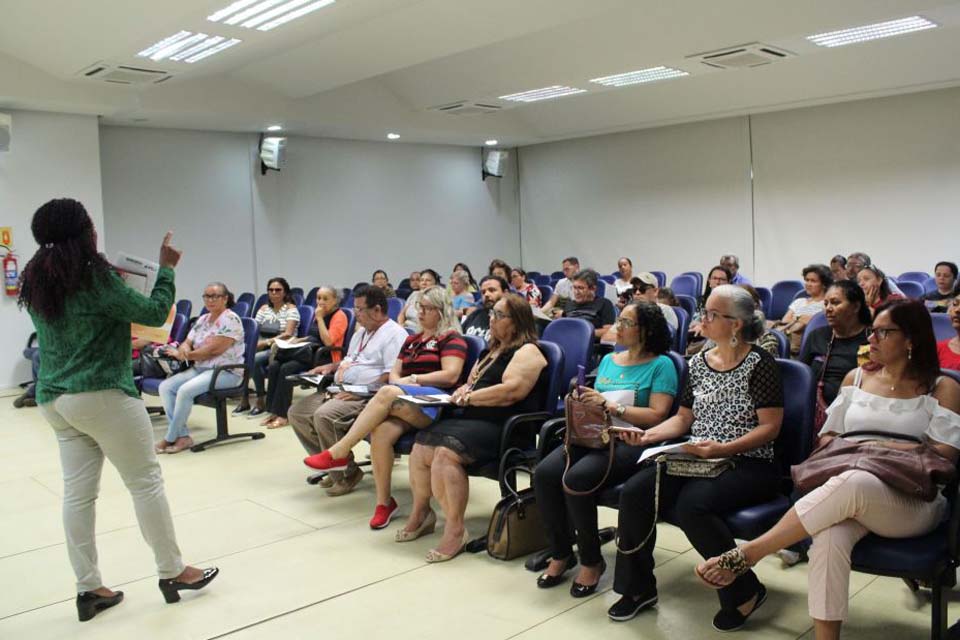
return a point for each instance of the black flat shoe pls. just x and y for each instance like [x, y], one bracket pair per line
[90, 604]
[627, 607]
[547, 582]
[171, 588]
[732, 619]
[578, 590]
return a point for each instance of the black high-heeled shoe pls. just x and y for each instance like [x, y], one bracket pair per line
[171, 588]
[90, 604]
[578, 590]
[546, 582]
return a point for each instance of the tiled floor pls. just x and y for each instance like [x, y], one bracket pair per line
[298, 564]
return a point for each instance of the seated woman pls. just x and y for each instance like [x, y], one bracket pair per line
[833, 350]
[900, 392]
[948, 351]
[838, 267]
[767, 340]
[278, 318]
[499, 268]
[327, 330]
[460, 294]
[875, 287]
[530, 291]
[816, 280]
[732, 407]
[508, 379]
[637, 386]
[429, 362]
[380, 280]
[718, 276]
[623, 282]
[409, 313]
[945, 277]
[215, 340]
[472, 285]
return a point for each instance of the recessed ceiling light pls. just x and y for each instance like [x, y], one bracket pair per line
[639, 77]
[265, 15]
[871, 32]
[393, 136]
[491, 143]
[274, 127]
[175, 42]
[187, 46]
[206, 53]
[545, 93]
[206, 44]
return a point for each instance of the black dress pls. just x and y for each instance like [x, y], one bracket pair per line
[474, 432]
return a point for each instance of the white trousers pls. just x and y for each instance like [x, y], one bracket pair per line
[109, 423]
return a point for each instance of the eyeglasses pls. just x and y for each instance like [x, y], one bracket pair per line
[428, 307]
[212, 296]
[358, 310]
[626, 323]
[276, 290]
[710, 315]
[496, 314]
[880, 332]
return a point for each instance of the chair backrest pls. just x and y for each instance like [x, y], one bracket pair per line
[683, 370]
[913, 276]
[783, 293]
[541, 279]
[683, 321]
[475, 345]
[178, 331]
[404, 284]
[942, 328]
[801, 294]
[404, 293]
[247, 297]
[556, 383]
[242, 309]
[608, 279]
[689, 304]
[351, 326]
[817, 321]
[306, 319]
[297, 298]
[185, 307]
[911, 289]
[575, 337]
[601, 289]
[557, 275]
[262, 300]
[685, 285]
[951, 373]
[661, 277]
[930, 284]
[766, 300]
[795, 441]
[546, 292]
[783, 342]
[533, 274]
[394, 305]
[251, 335]
[698, 276]
[294, 291]
[311, 298]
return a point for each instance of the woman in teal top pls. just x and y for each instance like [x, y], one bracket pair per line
[637, 386]
[82, 312]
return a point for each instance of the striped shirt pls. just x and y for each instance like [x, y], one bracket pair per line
[419, 355]
[268, 315]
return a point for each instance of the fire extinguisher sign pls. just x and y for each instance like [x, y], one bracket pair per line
[6, 237]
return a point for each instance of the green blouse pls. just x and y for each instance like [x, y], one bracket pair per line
[88, 349]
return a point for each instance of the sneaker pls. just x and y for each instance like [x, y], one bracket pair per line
[383, 514]
[24, 400]
[255, 413]
[627, 607]
[240, 410]
[790, 557]
[345, 485]
[326, 462]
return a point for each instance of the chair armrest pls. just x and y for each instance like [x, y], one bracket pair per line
[31, 340]
[219, 369]
[549, 433]
[510, 427]
[953, 532]
[323, 350]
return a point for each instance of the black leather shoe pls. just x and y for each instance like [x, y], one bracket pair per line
[578, 590]
[90, 604]
[171, 588]
[627, 607]
[732, 619]
[547, 582]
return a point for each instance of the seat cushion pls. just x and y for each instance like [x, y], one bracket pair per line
[920, 556]
[150, 386]
[754, 521]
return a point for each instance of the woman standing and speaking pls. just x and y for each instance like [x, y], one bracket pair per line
[82, 312]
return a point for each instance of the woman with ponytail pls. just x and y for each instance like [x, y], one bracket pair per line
[82, 313]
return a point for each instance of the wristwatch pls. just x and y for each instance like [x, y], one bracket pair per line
[413, 378]
[621, 409]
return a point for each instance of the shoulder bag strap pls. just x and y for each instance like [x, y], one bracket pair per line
[602, 480]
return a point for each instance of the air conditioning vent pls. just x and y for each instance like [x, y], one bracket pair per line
[742, 56]
[124, 74]
[467, 108]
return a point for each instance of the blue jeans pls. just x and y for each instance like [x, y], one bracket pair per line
[178, 391]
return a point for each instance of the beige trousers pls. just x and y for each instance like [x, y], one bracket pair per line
[97, 424]
[841, 512]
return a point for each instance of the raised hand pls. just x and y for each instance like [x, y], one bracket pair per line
[169, 255]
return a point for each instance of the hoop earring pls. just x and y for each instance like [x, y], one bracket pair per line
[909, 353]
[734, 342]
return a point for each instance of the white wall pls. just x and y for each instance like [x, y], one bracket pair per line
[671, 199]
[338, 209]
[51, 155]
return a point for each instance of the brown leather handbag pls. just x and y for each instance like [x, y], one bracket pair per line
[588, 426]
[917, 472]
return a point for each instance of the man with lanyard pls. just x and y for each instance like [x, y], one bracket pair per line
[320, 419]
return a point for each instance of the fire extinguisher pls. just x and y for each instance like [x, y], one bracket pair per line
[11, 278]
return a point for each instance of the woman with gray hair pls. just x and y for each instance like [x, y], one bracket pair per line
[459, 290]
[328, 330]
[731, 407]
[429, 362]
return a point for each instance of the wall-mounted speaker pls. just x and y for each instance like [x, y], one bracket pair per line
[6, 126]
[273, 153]
[494, 162]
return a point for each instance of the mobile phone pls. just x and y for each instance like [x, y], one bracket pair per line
[636, 430]
[581, 376]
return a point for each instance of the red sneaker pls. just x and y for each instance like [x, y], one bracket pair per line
[325, 462]
[383, 514]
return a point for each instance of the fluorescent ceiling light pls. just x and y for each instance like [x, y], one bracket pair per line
[266, 14]
[169, 50]
[166, 42]
[274, 127]
[206, 53]
[393, 136]
[206, 44]
[871, 32]
[545, 93]
[639, 77]
[491, 143]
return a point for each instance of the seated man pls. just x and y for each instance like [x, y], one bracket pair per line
[585, 304]
[477, 323]
[646, 287]
[320, 419]
[564, 289]
[732, 263]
